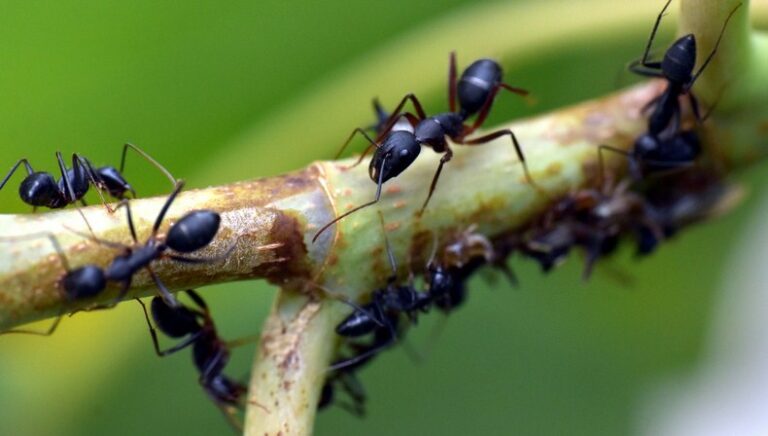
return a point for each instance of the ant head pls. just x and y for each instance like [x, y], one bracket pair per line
[84, 282]
[174, 321]
[114, 182]
[193, 231]
[40, 189]
[476, 85]
[680, 60]
[396, 153]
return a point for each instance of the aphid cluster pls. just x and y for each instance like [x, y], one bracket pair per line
[665, 191]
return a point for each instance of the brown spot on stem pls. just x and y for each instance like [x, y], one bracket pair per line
[287, 230]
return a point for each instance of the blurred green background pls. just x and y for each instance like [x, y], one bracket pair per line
[220, 92]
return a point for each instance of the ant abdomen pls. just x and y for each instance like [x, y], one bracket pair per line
[174, 321]
[193, 231]
[358, 323]
[40, 189]
[680, 59]
[476, 83]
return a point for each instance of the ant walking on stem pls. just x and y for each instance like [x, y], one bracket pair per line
[473, 94]
[40, 189]
[192, 232]
[209, 351]
[664, 146]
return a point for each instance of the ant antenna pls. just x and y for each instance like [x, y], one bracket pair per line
[714, 50]
[389, 249]
[149, 158]
[363, 206]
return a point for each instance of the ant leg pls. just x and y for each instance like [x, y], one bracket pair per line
[162, 353]
[452, 87]
[652, 69]
[354, 389]
[230, 414]
[363, 356]
[394, 116]
[48, 332]
[486, 108]
[644, 61]
[129, 218]
[166, 206]
[391, 257]
[593, 254]
[243, 341]
[50, 236]
[14, 168]
[519, 91]
[93, 177]
[343, 299]
[491, 136]
[197, 299]
[165, 294]
[65, 177]
[601, 162]
[653, 102]
[371, 143]
[695, 108]
[148, 158]
[92, 237]
[714, 50]
[370, 203]
[483, 114]
[446, 157]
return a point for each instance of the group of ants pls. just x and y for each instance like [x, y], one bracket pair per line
[665, 190]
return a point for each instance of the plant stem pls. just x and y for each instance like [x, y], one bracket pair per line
[481, 186]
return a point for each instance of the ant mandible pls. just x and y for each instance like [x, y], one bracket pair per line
[40, 189]
[396, 150]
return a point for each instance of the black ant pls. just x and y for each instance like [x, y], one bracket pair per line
[210, 353]
[40, 189]
[658, 148]
[397, 150]
[382, 315]
[192, 232]
[677, 69]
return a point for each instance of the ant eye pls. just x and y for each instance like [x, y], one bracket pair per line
[404, 153]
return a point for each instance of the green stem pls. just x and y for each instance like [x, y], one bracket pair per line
[561, 150]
